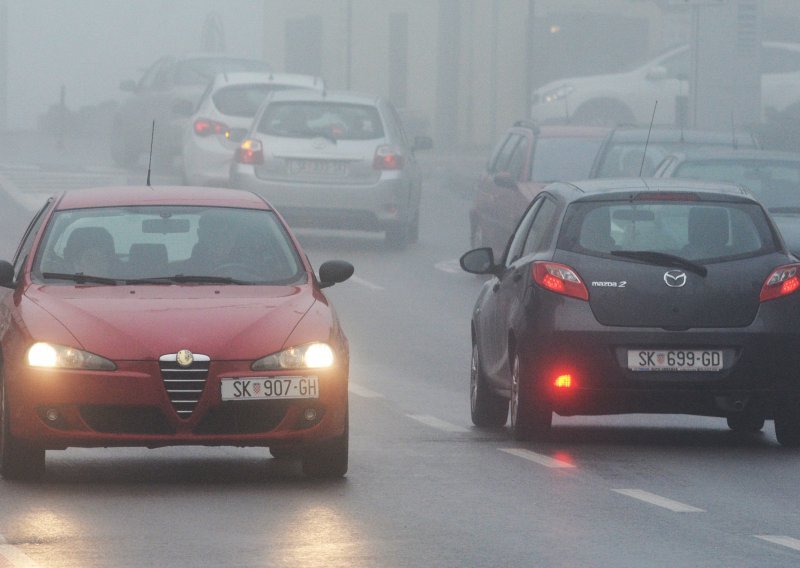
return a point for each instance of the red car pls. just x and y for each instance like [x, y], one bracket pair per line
[138, 316]
[525, 160]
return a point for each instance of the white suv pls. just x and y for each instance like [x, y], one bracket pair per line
[628, 98]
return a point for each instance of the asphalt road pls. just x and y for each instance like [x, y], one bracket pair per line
[425, 488]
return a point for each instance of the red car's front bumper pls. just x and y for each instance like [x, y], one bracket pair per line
[56, 409]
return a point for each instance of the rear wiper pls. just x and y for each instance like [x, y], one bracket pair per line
[186, 278]
[81, 278]
[662, 259]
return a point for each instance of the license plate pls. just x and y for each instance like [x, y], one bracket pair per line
[260, 388]
[317, 167]
[674, 360]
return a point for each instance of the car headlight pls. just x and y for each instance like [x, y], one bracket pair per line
[54, 356]
[311, 356]
[557, 94]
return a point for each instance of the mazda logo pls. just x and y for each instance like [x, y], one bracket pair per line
[675, 278]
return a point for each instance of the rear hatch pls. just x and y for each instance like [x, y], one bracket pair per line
[670, 264]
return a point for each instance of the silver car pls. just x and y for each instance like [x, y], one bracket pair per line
[334, 160]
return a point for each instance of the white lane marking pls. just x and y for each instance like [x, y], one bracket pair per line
[450, 266]
[436, 423]
[786, 541]
[659, 501]
[365, 283]
[546, 461]
[17, 558]
[364, 392]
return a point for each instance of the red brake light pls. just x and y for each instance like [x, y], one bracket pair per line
[563, 381]
[205, 127]
[250, 152]
[388, 158]
[783, 281]
[666, 196]
[560, 279]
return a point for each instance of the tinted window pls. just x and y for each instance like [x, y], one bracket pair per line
[516, 162]
[243, 100]
[161, 241]
[501, 163]
[539, 234]
[563, 159]
[692, 230]
[331, 120]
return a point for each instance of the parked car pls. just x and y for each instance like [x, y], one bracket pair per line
[772, 177]
[334, 160]
[623, 152]
[142, 317]
[638, 296]
[166, 94]
[223, 117]
[629, 97]
[526, 159]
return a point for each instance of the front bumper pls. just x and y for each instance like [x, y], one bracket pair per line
[131, 407]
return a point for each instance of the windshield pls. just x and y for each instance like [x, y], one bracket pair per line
[689, 230]
[311, 119]
[563, 159]
[130, 243]
[775, 183]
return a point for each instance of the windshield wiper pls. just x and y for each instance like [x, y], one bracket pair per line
[81, 278]
[186, 278]
[662, 259]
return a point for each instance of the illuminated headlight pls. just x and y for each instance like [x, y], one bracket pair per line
[311, 356]
[61, 357]
[557, 94]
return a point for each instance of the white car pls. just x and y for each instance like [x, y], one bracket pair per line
[628, 98]
[222, 118]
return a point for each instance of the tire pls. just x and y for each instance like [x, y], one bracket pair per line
[328, 459]
[487, 408]
[787, 425]
[18, 461]
[746, 423]
[603, 112]
[530, 419]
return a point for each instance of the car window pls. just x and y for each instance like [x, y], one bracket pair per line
[775, 60]
[162, 241]
[156, 70]
[491, 165]
[516, 161]
[625, 159]
[521, 233]
[692, 230]
[540, 231]
[503, 158]
[774, 183]
[563, 159]
[341, 121]
[244, 100]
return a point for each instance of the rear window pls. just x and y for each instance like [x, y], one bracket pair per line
[563, 159]
[244, 100]
[691, 230]
[625, 159]
[312, 119]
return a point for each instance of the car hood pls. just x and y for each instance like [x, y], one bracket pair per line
[145, 322]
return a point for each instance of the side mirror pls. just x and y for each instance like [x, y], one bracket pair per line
[182, 107]
[505, 179]
[6, 274]
[128, 86]
[423, 143]
[478, 261]
[657, 73]
[334, 272]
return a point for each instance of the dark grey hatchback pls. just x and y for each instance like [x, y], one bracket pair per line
[633, 295]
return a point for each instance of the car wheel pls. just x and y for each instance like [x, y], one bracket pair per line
[530, 419]
[603, 112]
[787, 425]
[745, 422]
[487, 408]
[18, 461]
[328, 459]
[397, 236]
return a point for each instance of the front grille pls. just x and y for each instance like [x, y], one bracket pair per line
[184, 384]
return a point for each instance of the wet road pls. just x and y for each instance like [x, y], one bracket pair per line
[425, 487]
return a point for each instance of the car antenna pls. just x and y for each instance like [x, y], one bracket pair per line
[647, 142]
[733, 132]
[150, 159]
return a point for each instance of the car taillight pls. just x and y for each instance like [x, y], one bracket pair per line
[250, 152]
[388, 158]
[206, 127]
[560, 279]
[783, 281]
[563, 381]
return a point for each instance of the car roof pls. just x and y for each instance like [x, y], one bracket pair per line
[615, 187]
[248, 77]
[120, 196]
[704, 153]
[350, 97]
[661, 134]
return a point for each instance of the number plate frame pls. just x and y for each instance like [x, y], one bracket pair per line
[675, 360]
[269, 388]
